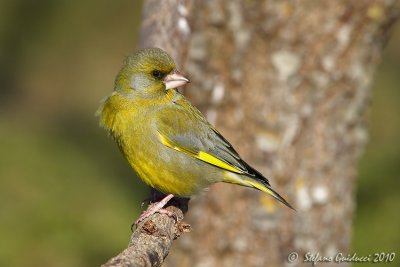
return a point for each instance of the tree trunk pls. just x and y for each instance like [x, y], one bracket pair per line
[288, 84]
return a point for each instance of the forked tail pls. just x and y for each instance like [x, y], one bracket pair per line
[258, 183]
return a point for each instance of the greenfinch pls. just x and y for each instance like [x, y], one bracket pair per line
[167, 141]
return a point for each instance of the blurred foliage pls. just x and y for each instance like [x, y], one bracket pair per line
[376, 224]
[67, 197]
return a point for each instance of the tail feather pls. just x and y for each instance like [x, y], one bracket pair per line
[258, 184]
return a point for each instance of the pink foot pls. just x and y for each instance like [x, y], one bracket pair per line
[156, 207]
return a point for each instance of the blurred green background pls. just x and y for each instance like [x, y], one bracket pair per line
[67, 197]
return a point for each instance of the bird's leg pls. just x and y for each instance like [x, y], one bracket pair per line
[156, 207]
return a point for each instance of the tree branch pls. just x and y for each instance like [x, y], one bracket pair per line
[151, 241]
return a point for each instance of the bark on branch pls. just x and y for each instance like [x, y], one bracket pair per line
[152, 239]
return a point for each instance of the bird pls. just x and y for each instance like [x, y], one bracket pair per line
[166, 140]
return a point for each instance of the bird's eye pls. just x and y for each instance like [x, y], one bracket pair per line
[156, 74]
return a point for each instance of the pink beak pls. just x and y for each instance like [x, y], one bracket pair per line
[174, 80]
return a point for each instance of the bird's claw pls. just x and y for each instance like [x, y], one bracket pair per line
[147, 214]
[156, 207]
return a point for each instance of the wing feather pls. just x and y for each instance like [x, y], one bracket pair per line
[187, 131]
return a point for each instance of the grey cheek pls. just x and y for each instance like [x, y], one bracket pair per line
[139, 81]
[135, 82]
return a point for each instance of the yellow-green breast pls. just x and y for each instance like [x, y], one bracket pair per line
[131, 122]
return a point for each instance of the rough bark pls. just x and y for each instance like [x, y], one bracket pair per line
[151, 241]
[288, 83]
[165, 25]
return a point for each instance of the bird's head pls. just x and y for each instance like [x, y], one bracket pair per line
[148, 73]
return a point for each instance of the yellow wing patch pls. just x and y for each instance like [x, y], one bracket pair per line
[204, 156]
[201, 155]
